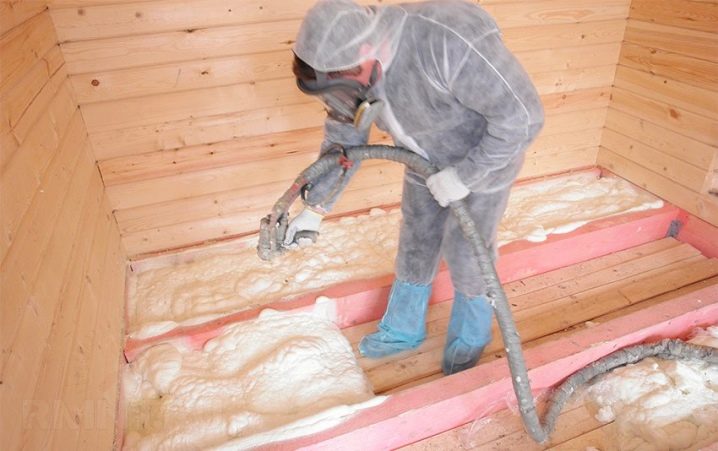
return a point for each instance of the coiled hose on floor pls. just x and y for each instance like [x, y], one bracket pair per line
[272, 232]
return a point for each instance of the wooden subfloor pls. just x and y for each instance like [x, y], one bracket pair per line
[546, 307]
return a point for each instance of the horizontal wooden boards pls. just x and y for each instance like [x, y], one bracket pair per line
[691, 15]
[148, 165]
[15, 13]
[695, 99]
[236, 212]
[210, 199]
[695, 44]
[188, 132]
[674, 118]
[98, 86]
[191, 44]
[177, 47]
[684, 68]
[167, 88]
[16, 99]
[232, 213]
[23, 46]
[701, 205]
[61, 263]
[667, 165]
[581, 293]
[205, 130]
[125, 19]
[278, 146]
[659, 137]
[505, 430]
[194, 194]
[176, 106]
[25, 173]
[661, 127]
[183, 76]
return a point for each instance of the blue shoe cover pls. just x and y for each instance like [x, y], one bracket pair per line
[469, 332]
[404, 323]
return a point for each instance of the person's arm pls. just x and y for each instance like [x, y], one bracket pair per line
[491, 82]
[326, 191]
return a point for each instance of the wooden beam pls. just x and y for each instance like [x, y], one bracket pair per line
[566, 80]
[549, 60]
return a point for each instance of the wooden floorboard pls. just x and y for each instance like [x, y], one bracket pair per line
[548, 304]
[548, 307]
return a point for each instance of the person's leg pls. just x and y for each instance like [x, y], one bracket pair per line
[404, 323]
[470, 323]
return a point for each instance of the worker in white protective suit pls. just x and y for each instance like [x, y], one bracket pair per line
[445, 87]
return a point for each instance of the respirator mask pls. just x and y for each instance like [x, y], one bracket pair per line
[345, 100]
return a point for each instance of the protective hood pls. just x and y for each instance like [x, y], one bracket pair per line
[339, 35]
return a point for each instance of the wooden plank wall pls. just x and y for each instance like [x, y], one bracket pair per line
[662, 125]
[62, 266]
[198, 127]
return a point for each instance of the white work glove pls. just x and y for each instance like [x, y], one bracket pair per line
[308, 220]
[446, 187]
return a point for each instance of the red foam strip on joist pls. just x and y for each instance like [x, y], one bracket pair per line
[426, 410]
[358, 302]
